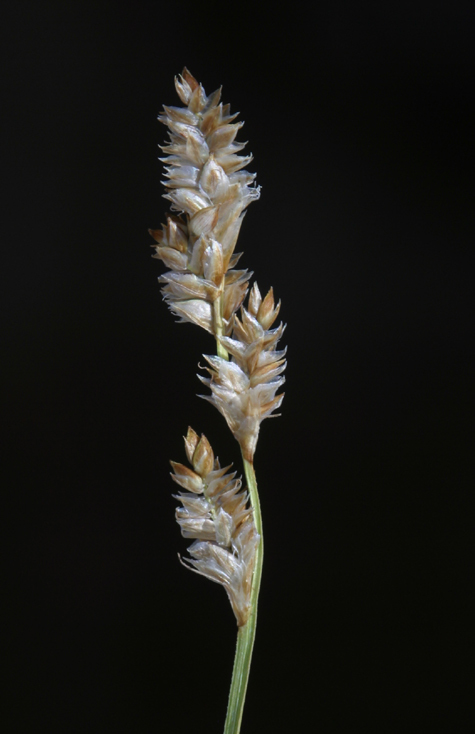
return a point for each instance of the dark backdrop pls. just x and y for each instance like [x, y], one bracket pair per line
[359, 122]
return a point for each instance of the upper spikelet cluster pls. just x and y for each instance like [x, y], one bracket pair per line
[244, 388]
[207, 184]
[215, 512]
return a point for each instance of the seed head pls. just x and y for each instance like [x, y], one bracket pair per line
[215, 513]
[209, 191]
[244, 388]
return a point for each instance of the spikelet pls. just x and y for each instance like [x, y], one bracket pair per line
[207, 184]
[215, 513]
[244, 388]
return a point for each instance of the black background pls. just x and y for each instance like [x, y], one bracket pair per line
[359, 122]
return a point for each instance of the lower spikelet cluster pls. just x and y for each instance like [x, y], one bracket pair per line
[244, 388]
[215, 513]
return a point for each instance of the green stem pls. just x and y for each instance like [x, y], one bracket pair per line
[246, 633]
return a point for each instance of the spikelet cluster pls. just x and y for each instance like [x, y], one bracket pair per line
[209, 191]
[207, 185]
[215, 513]
[244, 388]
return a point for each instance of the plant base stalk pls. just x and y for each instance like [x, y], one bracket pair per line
[246, 633]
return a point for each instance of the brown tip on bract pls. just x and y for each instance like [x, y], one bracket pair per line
[203, 458]
[157, 235]
[188, 77]
[191, 441]
[255, 300]
[268, 311]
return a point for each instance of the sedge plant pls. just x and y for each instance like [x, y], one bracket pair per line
[209, 190]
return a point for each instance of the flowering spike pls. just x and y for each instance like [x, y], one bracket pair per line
[244, 389]
[220, 522]
[209, 191]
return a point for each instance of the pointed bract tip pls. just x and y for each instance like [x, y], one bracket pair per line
[203, 457]
[157, 235]
[191, 441]
[188, 77]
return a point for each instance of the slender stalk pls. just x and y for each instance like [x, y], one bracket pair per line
[246, 633]
[218, 327]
